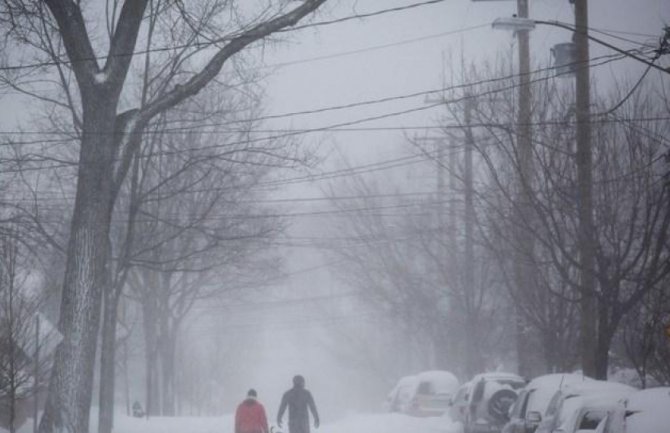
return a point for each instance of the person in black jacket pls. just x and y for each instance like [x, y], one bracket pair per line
[298, 399]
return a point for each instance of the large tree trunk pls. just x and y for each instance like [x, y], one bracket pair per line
[168, 374]
[70, 389]
[152, 404]
[475, 362]
[607, 325]
[108, 362]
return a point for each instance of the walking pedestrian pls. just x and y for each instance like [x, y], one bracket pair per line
[298, 400]
[250, 415]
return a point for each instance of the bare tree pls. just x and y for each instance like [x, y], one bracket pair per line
[109, 140]
[643, 338]
[25, 346]
[199, 234]
[407, 260]
[630, 210]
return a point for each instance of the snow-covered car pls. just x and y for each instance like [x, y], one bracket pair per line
[644, 411]
[591, 413]
[398, 400]
[531, 405]
[482, 404]
[426, 394]
[573, 402]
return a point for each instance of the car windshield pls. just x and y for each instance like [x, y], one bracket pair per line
[591, 419]
[426, 388]
[514, 384]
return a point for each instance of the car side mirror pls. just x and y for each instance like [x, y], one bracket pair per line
[534, 417]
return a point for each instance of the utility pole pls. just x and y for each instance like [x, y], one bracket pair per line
[524, 139]
[472, 348]
[586, 239]
[36, 383]
[523, 261]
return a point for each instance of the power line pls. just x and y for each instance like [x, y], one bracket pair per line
[351, 52]
[601, 59]
[381, 166]
[221, 40]
[257, 201]
[376, 47]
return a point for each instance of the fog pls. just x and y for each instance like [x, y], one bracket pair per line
[325, 226]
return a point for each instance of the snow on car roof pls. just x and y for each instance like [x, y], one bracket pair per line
[544, 387]
[557, 380]
[444, 381]
[407, 379]
[648, 410]
[597, 387]
[437, 375]
[497, 376]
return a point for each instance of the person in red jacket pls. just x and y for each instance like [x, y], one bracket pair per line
[250, 416]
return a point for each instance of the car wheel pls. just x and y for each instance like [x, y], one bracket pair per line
[499, 404]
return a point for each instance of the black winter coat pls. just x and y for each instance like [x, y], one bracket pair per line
[298, 400]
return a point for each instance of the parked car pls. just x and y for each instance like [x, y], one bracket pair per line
[572, 398]
[644, 411]
[399, 398]
[482, 404]
[531, 405]
[591, 413]
[426, 394]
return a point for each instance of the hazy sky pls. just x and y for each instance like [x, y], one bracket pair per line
[389, 55]
[397, 54]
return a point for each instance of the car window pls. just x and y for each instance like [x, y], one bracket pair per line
[591, 420]
[425, 388]
[554, 404]
[478, 392]
[461, 395]
[405, 393]
[514, 384]
[521, 404]
[518, 406]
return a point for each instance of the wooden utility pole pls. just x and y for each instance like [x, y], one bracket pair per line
[471, 332]
[586, 239]
[523, 205]
[36, 383]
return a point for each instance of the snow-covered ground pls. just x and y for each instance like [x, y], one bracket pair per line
[367, 423]
[361, 423]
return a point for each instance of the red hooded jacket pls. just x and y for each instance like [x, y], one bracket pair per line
[250, 417]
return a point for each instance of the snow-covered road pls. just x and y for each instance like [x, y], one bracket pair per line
[362, 423]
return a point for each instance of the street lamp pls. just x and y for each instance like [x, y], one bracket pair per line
[517, 24]
[563, 53]
[514, 24]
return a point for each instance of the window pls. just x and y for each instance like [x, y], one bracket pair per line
[425, 388]
[519, 406]
[478, 393]
[591, 419]
[461, 395]
[555, 402]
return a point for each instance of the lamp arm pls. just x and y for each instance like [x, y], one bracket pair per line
[605, 44]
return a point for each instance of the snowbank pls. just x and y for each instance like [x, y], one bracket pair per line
[391, 423]
[362, 423]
